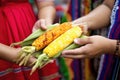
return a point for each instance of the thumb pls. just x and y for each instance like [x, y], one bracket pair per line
[43, 24]
[82, 41]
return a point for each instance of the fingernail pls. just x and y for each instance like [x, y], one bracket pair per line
[76, 40]
[33, 29]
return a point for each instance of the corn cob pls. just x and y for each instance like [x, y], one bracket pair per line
[57, 46]
[49, 36]
[71, 46]
[62, 41]
[45, 39]
[27, 49]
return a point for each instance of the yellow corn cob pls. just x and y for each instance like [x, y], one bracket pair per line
[43, 40]
[62, 41]
[56, 46]
[50, 35]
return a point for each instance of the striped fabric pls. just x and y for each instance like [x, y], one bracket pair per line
[80, 69]
[15, 70]
[109, 65]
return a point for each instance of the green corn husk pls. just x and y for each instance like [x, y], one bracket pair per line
[29, 40]
[43, 59]
[27, 48]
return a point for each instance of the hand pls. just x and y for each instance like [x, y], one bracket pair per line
[14, 58]
[42, 24]
[92, 46]
[84, 27]
[11, 54]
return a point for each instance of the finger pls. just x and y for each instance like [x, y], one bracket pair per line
[43, 24]
[82, 41]
[33, 29]
[74, 56]
[85, 27]
[77, 51]
[36, 26]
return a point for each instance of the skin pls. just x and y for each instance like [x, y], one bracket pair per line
[10, 54]
[96, 19]
[46, 14]
[94, 45]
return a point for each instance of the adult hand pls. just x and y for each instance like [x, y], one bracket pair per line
[92, 46]
[84, 27]
[42, 24]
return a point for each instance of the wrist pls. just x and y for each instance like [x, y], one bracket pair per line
[15, 54]
[116, 52]
[112, 47]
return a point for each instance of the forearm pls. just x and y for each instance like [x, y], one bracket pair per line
[8, 53]
[46, 11]
[98, 18]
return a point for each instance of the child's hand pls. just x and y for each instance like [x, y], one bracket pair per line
[11, 54]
